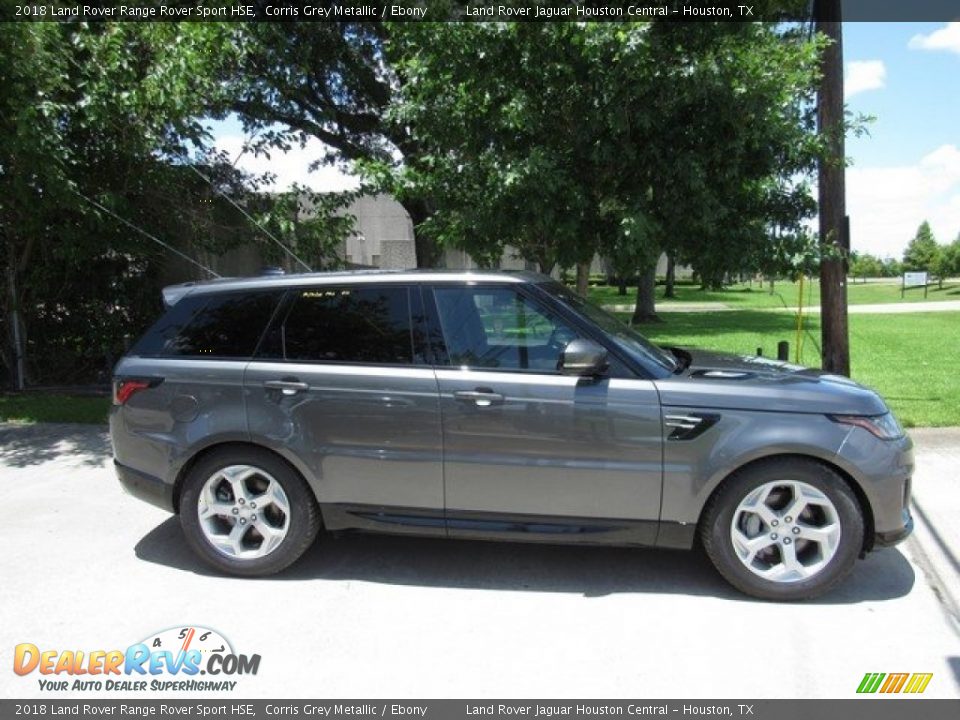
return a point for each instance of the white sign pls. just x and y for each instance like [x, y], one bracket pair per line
[914, 279]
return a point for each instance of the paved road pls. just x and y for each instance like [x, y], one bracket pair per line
[874, 308]
[87, 567]
[888, 308]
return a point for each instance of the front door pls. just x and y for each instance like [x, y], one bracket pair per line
[529, 452]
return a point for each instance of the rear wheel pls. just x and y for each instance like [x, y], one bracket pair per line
[786, 529]
[246, 512]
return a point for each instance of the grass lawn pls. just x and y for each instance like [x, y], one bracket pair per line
[785, 294]
[41, 407]
[913, 360]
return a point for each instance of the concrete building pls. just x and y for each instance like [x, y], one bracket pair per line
[383, 234]
[383, 237]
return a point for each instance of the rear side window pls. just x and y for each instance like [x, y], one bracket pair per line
[221, 325]
[344, 324]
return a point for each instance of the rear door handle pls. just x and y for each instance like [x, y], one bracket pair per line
[288, 386]
[481, 397]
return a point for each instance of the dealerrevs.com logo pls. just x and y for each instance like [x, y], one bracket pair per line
[169, 660]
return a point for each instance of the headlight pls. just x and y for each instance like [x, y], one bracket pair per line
[884, 426]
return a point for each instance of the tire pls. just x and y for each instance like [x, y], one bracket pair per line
[760, 543]
[245, 512]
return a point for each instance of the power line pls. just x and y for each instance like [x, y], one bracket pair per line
[148, 235]
[266, 232]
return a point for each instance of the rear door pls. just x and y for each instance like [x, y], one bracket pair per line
[341, 385]
[529, 452]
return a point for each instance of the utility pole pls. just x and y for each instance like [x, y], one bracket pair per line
[834, 236]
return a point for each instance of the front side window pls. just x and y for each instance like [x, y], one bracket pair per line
[628, 339]
[345, 324]
[498, 328]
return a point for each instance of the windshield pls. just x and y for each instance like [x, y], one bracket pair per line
[622, 334]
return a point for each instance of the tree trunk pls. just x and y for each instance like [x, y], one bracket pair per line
[17, 351]
[622, 285]
[583, 278]
[546, 267]
[671, 276]
[426, 248]
[645, 310]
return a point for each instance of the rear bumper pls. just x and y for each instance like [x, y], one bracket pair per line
[892, 537]
[145, 487]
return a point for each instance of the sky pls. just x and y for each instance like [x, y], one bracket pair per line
[905, 170]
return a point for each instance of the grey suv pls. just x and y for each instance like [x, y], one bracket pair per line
[499, 406]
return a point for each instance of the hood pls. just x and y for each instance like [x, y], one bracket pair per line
[743, 382]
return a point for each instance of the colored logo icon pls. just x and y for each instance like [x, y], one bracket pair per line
[894, 682]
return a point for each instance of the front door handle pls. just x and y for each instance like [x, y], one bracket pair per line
[288, 386]
[481, 397]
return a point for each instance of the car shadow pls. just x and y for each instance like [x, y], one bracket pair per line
[525, 567]
[954, 663]
[33, 444]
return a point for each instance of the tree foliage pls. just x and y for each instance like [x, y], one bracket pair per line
[864, 265]
[922, 252]
[950, 265]
[330, 81]
[506, 118]
[563, 140]
[90, 113]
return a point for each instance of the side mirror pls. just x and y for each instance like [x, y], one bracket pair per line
[583, 357]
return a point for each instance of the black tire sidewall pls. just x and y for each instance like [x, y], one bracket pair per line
[304, 516]
[719, 517]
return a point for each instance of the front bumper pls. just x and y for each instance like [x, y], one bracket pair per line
[892, 537]
[145, 487]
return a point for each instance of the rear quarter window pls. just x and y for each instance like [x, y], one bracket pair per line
[220, 325]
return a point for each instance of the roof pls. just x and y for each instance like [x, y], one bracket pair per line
[174, 293]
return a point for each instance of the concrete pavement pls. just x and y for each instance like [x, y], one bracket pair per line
[873, 308]
[88, 567]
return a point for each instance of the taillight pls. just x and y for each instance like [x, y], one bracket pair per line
[126, 388]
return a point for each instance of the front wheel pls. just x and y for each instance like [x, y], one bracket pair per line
[786, 529]
[246, 512]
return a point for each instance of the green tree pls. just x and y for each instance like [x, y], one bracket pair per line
[865, 265]
[946, 262]
[892, 267]
[624, 139]
[329, 81]
[88, 112]
[507, 119]
[922, 251]
[737, 106]
[313, 225]
[952, 255]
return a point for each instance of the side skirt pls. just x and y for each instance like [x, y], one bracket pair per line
[509, 527]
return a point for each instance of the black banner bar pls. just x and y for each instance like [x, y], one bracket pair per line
[482, 11]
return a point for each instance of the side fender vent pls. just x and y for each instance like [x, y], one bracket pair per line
[689, 425]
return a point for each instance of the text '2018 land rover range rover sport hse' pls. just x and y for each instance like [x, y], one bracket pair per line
[495, 406]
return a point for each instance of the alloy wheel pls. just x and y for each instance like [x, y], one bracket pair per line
[785, 531]
[243, 512]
